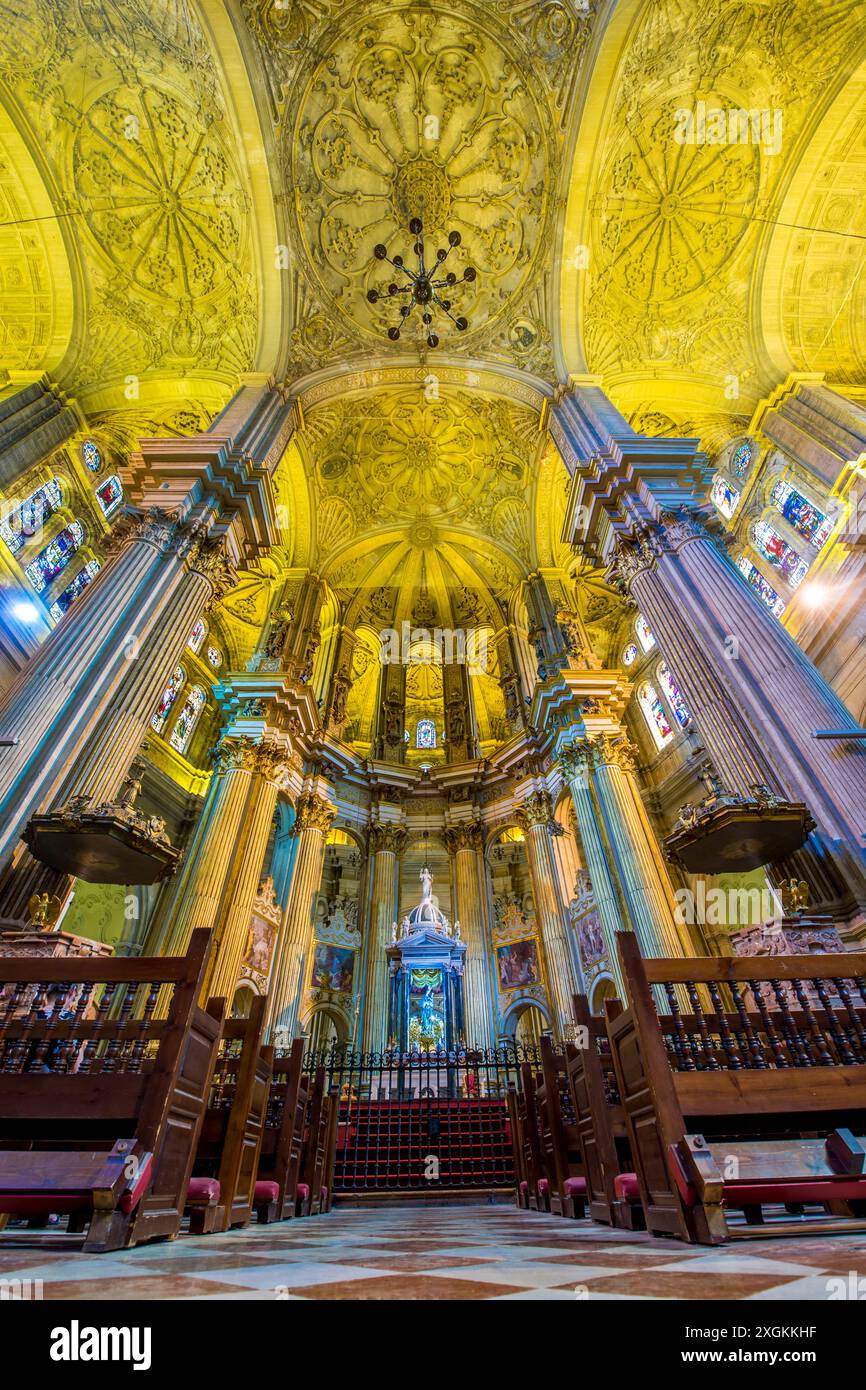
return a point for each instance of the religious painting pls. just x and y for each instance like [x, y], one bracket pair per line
[589, 935]
[333, 968]
[426, 1008]
[259, 945]
[518, 964]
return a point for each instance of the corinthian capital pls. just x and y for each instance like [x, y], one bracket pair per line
[387, 838]
[615, 751]
[575, 762]
[537, 809]
[313, 812]
[459, 837]
[269, 760]
[231, 754]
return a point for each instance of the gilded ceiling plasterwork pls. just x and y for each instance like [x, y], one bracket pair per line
[455, 112]
[123, 102]
[677, 231]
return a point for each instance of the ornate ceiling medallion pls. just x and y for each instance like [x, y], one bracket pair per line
[421, 287]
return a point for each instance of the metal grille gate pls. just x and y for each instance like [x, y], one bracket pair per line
[422, 1121]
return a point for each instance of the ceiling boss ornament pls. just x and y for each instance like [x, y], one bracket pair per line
[423, 288]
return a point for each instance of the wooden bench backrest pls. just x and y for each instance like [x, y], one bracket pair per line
[560, 1143]
[597, 1108]
[282, 1149]
[111, 1067]
[237, 1106]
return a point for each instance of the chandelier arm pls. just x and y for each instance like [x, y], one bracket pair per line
[445, 311]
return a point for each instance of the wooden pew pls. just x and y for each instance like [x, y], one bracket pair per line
[330, 1157]
[315, 1143]
[723, 1103]
[101, 1102]
[612, 1186]
[560, 1140]
[222, 1190]
[276, 1191]
[521, 1182]
[538, 1185]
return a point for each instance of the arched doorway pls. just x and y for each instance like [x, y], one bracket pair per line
[525, 1022]
[604, 988]
[327, 1029]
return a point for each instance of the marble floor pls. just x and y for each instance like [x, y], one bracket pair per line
[459, 1252]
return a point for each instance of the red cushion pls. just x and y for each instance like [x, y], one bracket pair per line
[133, 1195]
[543, 1185]
[267, 1192]
[626, 1187]
[575, 1186]
[324, 1194]
[524, 1186]
[203, 1190]
[303, 1192]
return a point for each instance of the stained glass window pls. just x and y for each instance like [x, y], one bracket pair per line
[644, 635]
[629, 656]
[187, 719]
[110, 494]
[91, 455]
[169, 695]
[725, 496]
[764, 590]
[675, 699]
[741, 461]
[805, 518]
[780, 554]
[55, 557]
[23, 519]
[196, 637]
[425, 734]
[215, 657]
[71, 592]
[654, 714]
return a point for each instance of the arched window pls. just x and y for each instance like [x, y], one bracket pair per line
[644, 635]
[64, 600]
[187, 719]
[91, 455]
[654, 714]
[22, 520]
[765, 591]
[741, 461]
[109, 494]
[675, 699]
[425, 734]
[55, 557]
[724, 496]
[169, 695]
[805, 518]
[215, 657]
[780, 554]
[629, 656]
[196, 637]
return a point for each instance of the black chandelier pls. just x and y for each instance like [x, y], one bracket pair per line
[420, 286]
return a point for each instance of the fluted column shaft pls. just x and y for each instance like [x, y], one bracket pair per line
[63, 691]
[465, 843]
[386, 844]
[754, 695]
[576, 766]
[233, 923]
[537, 822]
[312, 823]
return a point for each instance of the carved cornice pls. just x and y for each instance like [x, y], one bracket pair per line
[387, 839]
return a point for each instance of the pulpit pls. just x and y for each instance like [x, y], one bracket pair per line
[425, 959]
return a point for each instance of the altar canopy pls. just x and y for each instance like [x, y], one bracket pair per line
[425, 963]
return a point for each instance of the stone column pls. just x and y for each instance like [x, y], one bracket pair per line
[313, 820]
[465, 844]
[268, 770]
[61, 695]
[645, 889]
[576, 766]
[537, 821]
[387, 843]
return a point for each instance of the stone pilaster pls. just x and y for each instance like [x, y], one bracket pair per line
[576, 766]
[313, 819]
[387, 843]
[465, 845]
[535, 818]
